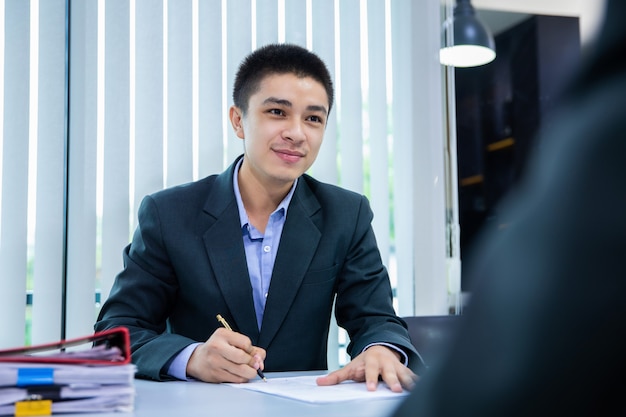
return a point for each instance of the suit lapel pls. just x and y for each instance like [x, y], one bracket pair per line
[298, 244]
[227, 255]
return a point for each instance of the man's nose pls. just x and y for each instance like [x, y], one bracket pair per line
[294, 131]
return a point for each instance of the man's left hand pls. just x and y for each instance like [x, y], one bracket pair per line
[376, 361]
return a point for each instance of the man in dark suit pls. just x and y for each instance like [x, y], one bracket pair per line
[544, 332]
[264, 245]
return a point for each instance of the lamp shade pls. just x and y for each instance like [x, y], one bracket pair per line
[473, 43]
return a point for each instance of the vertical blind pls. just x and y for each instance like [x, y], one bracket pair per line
[103, 102]
[32, 167]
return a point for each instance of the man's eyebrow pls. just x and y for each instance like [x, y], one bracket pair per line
[287, 103]
[274, 100]
[321, 109]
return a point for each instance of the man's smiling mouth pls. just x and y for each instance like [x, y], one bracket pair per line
[289, 155]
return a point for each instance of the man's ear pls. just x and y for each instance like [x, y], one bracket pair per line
[236, 120]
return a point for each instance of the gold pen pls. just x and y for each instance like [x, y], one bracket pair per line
[224, 323]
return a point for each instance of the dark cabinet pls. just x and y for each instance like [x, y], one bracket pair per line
[499, 109]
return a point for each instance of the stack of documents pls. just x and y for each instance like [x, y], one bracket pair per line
[98, 379]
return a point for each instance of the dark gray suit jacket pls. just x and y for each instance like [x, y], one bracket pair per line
[186, 263]
[545, 332]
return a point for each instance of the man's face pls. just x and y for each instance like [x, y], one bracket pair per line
[282, 129]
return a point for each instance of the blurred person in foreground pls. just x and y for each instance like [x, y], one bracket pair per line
[545, 330]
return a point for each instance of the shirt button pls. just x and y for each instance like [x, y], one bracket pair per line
[265, 295]
[266, 249]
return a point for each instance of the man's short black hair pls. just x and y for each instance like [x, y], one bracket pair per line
[278, 59]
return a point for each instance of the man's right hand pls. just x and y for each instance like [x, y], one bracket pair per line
[226, 356]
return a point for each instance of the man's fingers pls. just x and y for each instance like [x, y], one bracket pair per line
[398, 377]
[391, 379]
[332, 378]
[226, 356]
[393, 374]
[257, 356]
[240, 350]
[239, 377]
[408, 379]
[256, 362]
[372, 372]
[236, 355]
[375, 364]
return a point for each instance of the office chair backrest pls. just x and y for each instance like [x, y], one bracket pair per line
[431, 335]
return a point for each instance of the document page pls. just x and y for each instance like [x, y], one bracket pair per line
[304, 388]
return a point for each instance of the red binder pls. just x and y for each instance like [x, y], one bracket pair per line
[108, 347]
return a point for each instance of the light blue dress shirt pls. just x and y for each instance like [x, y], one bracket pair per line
[261, 248]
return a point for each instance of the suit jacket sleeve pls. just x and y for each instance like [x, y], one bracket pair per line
[364, 297]
[142, 295]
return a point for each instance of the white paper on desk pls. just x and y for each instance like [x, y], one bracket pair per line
[304, 388]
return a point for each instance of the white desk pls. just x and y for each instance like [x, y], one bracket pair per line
[189, 399]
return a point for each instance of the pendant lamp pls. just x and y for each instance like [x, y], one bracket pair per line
[473, 43]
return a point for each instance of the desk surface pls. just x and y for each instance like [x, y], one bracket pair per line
[189, 399]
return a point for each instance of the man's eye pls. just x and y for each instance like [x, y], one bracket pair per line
[276, 112]
[316, 119]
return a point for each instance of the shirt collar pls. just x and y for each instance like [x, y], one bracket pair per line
[243, 216]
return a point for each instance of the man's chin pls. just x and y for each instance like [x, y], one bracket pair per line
[287, 176]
